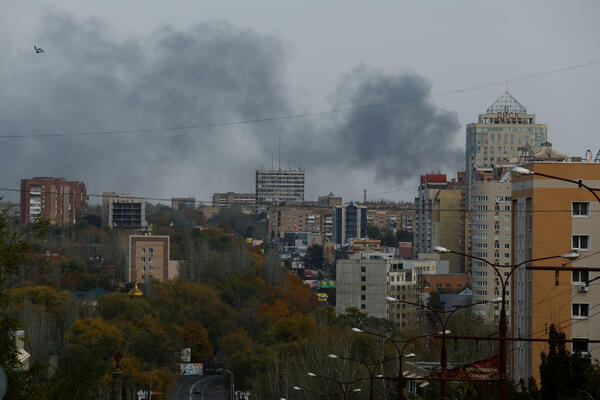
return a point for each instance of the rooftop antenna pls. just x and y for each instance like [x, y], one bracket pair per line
[507, 86]
[272, 156]
[280, 153]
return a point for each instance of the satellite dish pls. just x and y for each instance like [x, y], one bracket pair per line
[588, 155]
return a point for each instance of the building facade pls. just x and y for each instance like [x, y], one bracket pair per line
[349, 222]
[490, 236]
[500, 132]
[229, 199]
[123, 211]
[55, 200]
[148, 259]
[553, 217]
[279, 186]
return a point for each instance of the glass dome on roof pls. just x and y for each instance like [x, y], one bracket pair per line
[506, 104]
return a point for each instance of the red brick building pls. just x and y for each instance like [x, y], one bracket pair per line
[55, 200]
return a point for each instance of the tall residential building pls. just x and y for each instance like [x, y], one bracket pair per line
[53, 199]
[553, 217]
[440, 218]
[349, 222]
[397, 217]
[148, 259]
[229, 199]
[123, 211]
[490, 234]
[499, 133]
[279, 186]
[361, 282]
[282, 219]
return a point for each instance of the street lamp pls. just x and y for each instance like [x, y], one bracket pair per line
[223, 370]
[399, 350]
[443, 323]
[345, 386]
[504, 281]
[370, 367]
[578, 182]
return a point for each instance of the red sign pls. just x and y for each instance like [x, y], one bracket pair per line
[482, 370]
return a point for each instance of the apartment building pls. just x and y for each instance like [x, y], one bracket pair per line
[55, 200]
[490, 236]
[229, 199]
[148, 259]
[281, 219]
[553, 217]
[123, 211]
[349, 222]
[399, 217]
[279, 186]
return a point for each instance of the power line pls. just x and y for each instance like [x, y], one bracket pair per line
[298, 115]
[400, 207]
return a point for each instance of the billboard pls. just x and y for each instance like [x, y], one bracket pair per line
[327, 284]
[313, 284]
[190, 368]
[482, 370]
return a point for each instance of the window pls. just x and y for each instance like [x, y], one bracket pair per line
[581, 310]
[459, 285]
[363, 278]
[438, 286]
[363, 269]
[581, 208]
[581, 345]
[143, 259]
[143, 268]
[151, 250]
[149, 259]
[507, 245]
[580, 277]
[581, 242]
[506, 255]
[363, 288]
[143, 250]
[151, 276]
[447, 286]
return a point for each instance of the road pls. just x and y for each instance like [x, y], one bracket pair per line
[207, 387]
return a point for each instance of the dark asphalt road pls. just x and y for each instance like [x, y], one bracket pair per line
[199, 388]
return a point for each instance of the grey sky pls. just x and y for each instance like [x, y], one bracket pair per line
[303, 57]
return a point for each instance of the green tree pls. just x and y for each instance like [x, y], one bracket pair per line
[566, 375]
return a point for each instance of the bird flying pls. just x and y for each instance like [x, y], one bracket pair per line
[38, 50]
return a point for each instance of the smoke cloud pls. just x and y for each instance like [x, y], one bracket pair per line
[88, 80]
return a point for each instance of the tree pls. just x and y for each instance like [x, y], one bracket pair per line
[566, 375]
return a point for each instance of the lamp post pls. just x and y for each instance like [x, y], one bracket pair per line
[578, 182]
[370, 367]
[504, 280]
[345, 386]
[399, 351]
[223, 370]
[443, 324]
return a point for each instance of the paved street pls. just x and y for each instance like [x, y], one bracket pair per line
[199, 388]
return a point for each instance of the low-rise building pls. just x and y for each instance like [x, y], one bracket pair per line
[183, 203]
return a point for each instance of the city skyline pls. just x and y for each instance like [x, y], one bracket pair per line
[85, 81]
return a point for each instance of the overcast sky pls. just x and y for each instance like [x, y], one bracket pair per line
[118, 65]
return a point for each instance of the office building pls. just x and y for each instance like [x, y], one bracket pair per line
[279, 186]
[123, 211]
[499, 133]
[55, 200]
[349, 222]
[148, 259]
[553, 217]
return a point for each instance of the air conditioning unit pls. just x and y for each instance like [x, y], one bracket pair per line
[583, 288]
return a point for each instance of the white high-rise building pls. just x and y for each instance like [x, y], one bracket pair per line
[279, 186]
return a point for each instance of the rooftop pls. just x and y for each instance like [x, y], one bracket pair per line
[506, 104]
